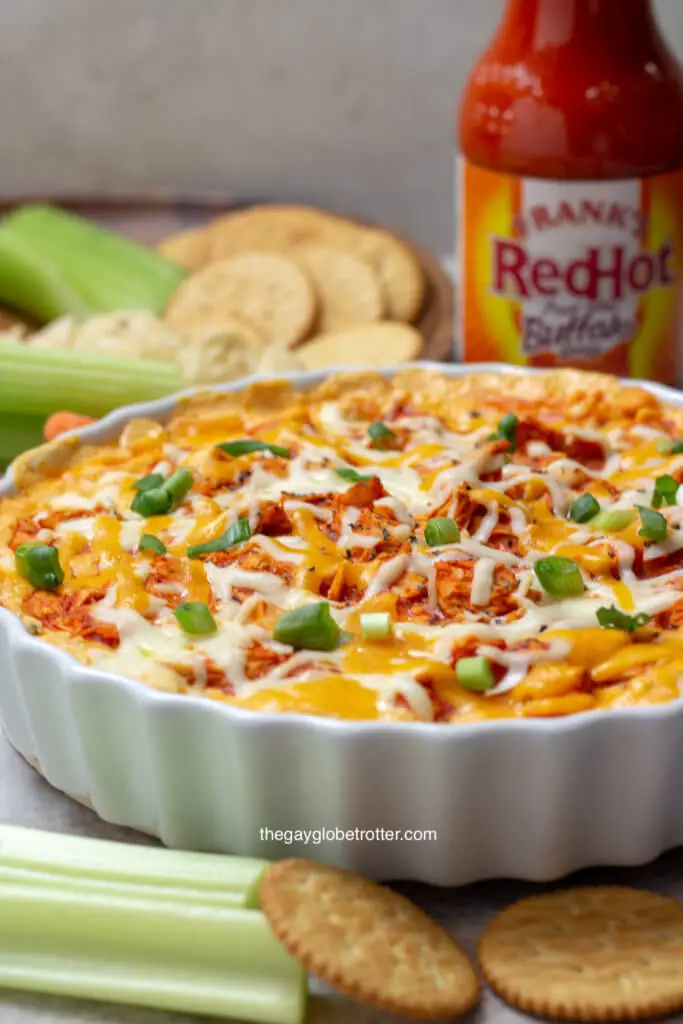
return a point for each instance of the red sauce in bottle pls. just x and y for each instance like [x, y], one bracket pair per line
[571, 191]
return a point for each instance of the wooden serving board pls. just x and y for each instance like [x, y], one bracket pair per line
[150, 217]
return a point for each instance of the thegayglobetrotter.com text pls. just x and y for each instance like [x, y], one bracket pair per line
[316, 836]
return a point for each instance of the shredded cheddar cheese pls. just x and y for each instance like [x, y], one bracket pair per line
[322, 515]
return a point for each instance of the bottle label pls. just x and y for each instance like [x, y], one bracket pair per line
[563, 273]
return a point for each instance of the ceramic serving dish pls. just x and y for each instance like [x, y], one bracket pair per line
[531, 799]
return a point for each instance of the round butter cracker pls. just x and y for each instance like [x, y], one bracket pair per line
[602, 953]
[366, 941]
[378, 344]
[264, 288]
[348, 289]
[188, 248]
[267, 228]
[399, 272]
[280, 228]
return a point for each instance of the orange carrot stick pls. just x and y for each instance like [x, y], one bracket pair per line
[59, 422]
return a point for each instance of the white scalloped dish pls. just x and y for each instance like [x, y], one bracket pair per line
[510, 786]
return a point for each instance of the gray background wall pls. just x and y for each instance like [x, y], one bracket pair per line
[347, 103]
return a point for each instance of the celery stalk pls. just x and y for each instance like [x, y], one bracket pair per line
[221, 962]
[38, 382]
[70, 861]
[17, 434]
[106, 888]
[107, 271]
[31, 282]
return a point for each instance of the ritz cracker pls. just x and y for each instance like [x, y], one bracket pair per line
[570, 186]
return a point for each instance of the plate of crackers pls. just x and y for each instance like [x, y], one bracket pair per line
[329, 289]
[265, 288]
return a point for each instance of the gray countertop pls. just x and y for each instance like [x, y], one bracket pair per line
[26, 799]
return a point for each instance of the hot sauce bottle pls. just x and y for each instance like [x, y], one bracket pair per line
[571, 192]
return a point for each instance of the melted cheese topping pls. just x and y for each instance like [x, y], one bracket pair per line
[359, 545]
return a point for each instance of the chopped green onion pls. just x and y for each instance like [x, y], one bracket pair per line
[613, 520]
[194, 617]
[612, 618]
[376, 625]
[39, 564]
[654, 524]
[39, 381]
[148, 542]
[236, 533]
[247, 446]
[178, 485]
[559, 577]
[669, 446]
[79, 268]
[380, 435]
[440, 531]
[507, 430]
[352, 474]
[146, 483]
[310, 627]
[154, 502]
[475, 674]
[666, 488]
[584, 508]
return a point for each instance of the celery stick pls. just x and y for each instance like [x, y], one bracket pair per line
[37, 381]
[17, 434]
[66, 859]
[106, 888]
[31, 282]
[108, 271]
[220, 962]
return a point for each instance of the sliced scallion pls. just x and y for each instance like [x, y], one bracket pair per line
[475, 674]
[156, 501]
[380, 435]
[236, 533]
[441, 530]
[559, 576]
[148, 542]
[666, 489]
[39, 565]
[195, 618]
[146, 483]
[670, 446]
[507, 430]
[613, 520]
[152, 500]
[612, 618]
[376, 625]
[585, 508]
[247, 445]
[346, 473]
[310, 627]
[178, 485]
[654, 524]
